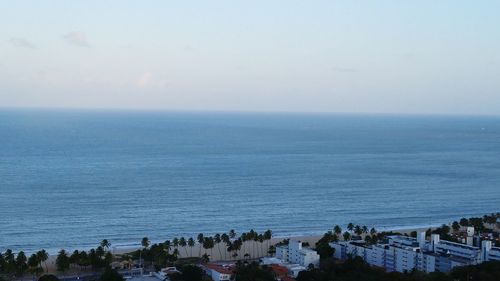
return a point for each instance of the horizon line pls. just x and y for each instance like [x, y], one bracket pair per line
[244, 111]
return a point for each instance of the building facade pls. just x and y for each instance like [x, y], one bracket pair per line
[404, 254]
[294, 253]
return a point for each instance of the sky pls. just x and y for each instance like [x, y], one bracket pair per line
[423, 57]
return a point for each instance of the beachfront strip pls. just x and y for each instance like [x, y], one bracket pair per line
[404, 254]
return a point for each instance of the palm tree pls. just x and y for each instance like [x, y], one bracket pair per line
[237, 245]
[33, 265]
[350, 226]
[225, 238]
[373, 231]
[175, 253]
[145, 242]
[211, 245]
[105, 244]
[175, 242]
[347, 236]
[62, 261]
[272, 250]
[205, 258]
[268, 235]
[201, 238]
[191, 243]
[232, 234]
[217, 240]
[74, 259]
[358, 230]
[364, 229]
[21, 263]
[42, 256]
[244, 238]
[368, 239]
[183, 243]
[100, 251]
[337, 230]
[145, 245]
[167, 246]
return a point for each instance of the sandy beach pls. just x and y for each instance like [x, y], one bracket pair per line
[219, 253]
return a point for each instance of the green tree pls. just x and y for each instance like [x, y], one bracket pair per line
[167, 246]
[33, 265]
[456, 226]
[190, 272]
[105, 244]
[62, 261]
[175, 242]
[42, 257]
[100, 252]
[217, 241]
[358, 230]
[350, 226]
[9, 262]
[21, 263]
[145, 242]
[272, 250]
[111, 275]
[347, 236]
[183, 244]
[268, 235]
[253, 272]
[108, 258]
[191, 244]
[200, 239]
[337, 229]
[75, 257]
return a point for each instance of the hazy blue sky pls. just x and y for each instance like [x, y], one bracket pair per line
[335, 56]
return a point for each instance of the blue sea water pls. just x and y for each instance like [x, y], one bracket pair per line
[72, 178]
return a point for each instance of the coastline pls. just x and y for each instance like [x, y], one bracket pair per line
[218, 253]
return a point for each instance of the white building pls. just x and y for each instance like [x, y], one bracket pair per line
[489, 253]
[404, 254]
[294, 253]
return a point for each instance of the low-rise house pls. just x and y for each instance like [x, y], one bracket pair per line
[219, 272]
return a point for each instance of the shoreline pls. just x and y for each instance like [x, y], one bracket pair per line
[254, 249]
[120, 249]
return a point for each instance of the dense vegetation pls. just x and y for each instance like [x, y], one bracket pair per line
[253, 272]
[189, 272]
[111, 275]
[228, 246]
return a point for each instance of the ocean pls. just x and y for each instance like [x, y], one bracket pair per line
[69, 179]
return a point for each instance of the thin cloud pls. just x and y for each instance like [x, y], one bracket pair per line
[76, 38]
[344, 69]
[22, 43]
[145, 79]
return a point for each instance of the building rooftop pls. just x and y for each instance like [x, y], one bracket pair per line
[279, 269]
[221, 268]
[459, 245]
